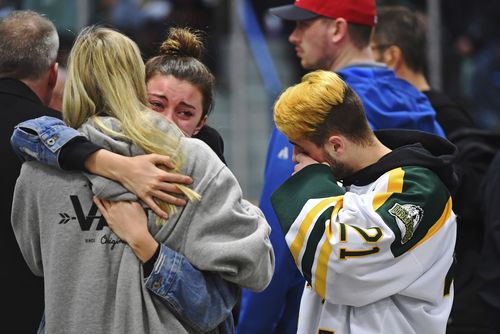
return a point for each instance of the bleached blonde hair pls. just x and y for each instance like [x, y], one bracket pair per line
[320, 105]
[106, 77]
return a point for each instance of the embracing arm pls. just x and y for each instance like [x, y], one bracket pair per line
[141, 176]
[50, 141]
[185, 290]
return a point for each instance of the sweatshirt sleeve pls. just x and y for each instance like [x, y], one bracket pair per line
[25, 219]
[230, 235]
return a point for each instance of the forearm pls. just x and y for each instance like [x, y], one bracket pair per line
[144, 247]
[106, 163]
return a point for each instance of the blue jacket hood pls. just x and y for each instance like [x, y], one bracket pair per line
[390, 102]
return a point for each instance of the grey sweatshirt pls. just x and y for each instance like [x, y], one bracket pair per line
[93, 281]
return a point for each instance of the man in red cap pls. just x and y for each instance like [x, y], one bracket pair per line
[329, 35]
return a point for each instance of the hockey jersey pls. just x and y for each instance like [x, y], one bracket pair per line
[389, 102]
[377, 254]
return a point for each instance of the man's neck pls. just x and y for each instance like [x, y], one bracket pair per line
[417, 79]
[39, 87]
[367, 156]
[352, 55]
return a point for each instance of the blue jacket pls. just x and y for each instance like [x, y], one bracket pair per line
[389, 103]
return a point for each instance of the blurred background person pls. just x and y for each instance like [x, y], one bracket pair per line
[28, 75]
[488, 269]
[400, 42]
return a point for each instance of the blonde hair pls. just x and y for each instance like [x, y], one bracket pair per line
[321, 104]
[105, 77]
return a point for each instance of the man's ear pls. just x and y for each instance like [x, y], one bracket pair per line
[336, 145]
[53, 72]
[393, 57]
[339, 29]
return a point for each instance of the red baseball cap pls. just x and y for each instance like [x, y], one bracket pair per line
[355, 11]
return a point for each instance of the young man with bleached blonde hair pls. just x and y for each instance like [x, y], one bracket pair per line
[376, 252]
[329, 35]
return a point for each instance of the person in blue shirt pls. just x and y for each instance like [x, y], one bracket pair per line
[330, 35]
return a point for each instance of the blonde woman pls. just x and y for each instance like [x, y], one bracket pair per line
[94, 277]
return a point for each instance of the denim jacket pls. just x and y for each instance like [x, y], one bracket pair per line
[202, 299]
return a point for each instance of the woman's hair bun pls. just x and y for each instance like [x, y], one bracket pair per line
[182, 42]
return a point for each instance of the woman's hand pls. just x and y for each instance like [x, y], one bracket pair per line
[128, 221]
